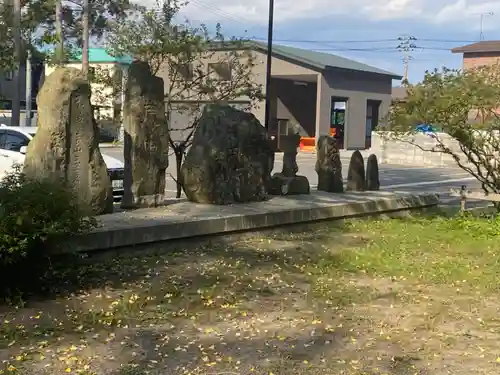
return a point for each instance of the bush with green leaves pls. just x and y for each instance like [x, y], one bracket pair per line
[34, 216]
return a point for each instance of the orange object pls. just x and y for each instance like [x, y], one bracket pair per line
[333, 132]
[307, 143]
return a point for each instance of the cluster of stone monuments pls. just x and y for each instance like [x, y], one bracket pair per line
[230, 159]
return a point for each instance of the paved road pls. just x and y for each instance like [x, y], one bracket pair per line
[392, 177]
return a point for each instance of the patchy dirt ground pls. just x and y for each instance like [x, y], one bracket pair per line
[402, 297]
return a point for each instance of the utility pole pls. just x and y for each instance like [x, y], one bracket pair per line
[59, 33]
[16, 92]
[85, 27]
[270, 25]
[406, 45]
[27, 113]
[481, 16]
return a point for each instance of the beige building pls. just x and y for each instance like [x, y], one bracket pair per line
[313, 93]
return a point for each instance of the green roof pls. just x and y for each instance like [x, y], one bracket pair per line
[99, 55]
[321, 60]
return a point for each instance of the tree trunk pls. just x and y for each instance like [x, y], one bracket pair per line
[179, 153]
[85, 37]
[59, 33]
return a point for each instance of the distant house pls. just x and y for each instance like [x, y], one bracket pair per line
[314, 93]
[7, 88]
[486, 52]
[399, 94]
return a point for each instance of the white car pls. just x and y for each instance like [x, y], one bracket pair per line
[14, 141]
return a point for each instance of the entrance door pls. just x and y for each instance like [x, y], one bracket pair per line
[337, 121]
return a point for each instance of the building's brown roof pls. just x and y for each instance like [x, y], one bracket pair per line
[399, 93]
[483, 46]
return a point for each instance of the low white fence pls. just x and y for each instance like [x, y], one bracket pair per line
[391, 151]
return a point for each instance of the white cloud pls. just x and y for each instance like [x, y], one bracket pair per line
[469, 11]
[255, 12]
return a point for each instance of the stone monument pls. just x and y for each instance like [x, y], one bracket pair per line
[329, 165]
[372, 174]
[146, 139]
[356, 173]
[288, 182]
[230, 159]
[66, 145]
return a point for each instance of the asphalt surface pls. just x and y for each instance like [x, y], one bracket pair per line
[392, 177]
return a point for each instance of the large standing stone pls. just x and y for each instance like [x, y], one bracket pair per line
[146, 138]
[329, 165]
[288, 182]
[230, 159]
[66, 145]
[356, 173]
[372, 174]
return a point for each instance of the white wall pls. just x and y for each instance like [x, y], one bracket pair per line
[390, 151]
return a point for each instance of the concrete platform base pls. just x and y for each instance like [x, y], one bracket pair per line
[185, 219]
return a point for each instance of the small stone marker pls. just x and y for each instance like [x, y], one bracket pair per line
[356, 173]
[372, 173]
[288, 182]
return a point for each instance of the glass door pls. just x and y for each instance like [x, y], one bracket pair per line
[337, 121]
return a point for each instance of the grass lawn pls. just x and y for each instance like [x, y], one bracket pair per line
[400, 296]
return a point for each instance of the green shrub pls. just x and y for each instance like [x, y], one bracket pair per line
[33, 216]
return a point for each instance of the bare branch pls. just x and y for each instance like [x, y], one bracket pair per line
[464, 106]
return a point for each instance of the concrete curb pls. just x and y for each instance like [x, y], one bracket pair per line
[186, 220]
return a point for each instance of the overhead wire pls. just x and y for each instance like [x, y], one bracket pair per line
[331, 45]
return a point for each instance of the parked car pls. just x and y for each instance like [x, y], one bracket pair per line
[425, 128]
[14, 141]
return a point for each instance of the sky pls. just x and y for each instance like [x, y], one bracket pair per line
[362, 30]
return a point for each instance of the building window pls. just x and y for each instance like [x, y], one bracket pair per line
[221, 70]
[186, 71]
[372, 116]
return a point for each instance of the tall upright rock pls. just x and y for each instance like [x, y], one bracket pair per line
[146, 138]
[328, 165]
[230, 159]
[66, 145]
[356, 173]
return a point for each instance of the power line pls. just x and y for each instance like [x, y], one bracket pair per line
[217, 11]
[343, 41]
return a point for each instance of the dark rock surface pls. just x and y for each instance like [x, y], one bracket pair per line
[146, 140]
[230, 159]
[372, 173]
[328, 165]
[356, 173]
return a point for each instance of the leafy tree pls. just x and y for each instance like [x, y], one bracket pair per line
[179, 54]
[6, 40]
[101, 14]
[34, 13]
[465, 105]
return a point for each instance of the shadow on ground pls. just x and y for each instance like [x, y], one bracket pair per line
[250, 304]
